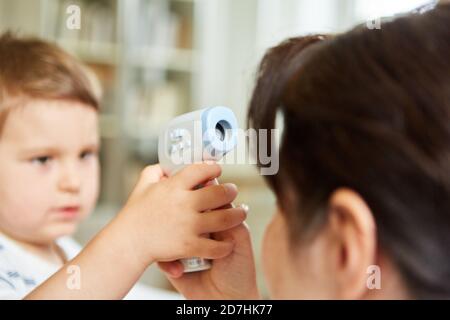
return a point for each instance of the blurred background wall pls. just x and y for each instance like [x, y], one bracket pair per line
[159, 58]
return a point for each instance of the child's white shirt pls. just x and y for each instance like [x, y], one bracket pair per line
[21, 271]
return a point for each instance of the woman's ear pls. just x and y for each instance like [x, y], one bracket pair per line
[351, 237]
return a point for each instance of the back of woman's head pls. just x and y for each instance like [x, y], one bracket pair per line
[368, 110]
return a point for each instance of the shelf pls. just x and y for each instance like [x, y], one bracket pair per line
[92, 52]
[172, 59]
[109, 126]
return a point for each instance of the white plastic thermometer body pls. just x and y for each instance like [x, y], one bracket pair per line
[206, 134]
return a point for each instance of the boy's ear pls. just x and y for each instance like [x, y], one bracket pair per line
[351, 237]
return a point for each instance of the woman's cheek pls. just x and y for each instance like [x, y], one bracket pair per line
[272, 254]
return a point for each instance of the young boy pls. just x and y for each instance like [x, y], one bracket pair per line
[49, 181]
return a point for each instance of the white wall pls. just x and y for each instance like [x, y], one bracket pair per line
[232, 36]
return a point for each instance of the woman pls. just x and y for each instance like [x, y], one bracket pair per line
[363, 190]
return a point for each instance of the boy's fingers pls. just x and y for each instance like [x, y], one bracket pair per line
[214, 196]
[150, 174]
[174, 269]
[196, 174]
[220, 220]
[211, 249]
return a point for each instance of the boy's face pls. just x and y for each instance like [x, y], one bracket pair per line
[49, 170]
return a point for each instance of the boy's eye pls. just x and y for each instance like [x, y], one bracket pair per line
[41, 160]
[87, 154]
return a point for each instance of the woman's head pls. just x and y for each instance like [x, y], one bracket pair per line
[364, 173]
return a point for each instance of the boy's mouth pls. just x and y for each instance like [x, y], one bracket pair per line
[68, 212]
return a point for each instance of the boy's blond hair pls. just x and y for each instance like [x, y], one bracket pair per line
[31, 68]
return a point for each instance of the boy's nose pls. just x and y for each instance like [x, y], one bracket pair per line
[69, 179]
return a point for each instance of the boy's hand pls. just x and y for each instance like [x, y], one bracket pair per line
[166, 217]
[231, 277]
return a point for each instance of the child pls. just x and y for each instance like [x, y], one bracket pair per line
[363, 191]
[49, 181]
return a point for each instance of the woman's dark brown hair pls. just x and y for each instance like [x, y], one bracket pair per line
[368, 110]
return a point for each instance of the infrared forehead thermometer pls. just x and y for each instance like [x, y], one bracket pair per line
[206, 134]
